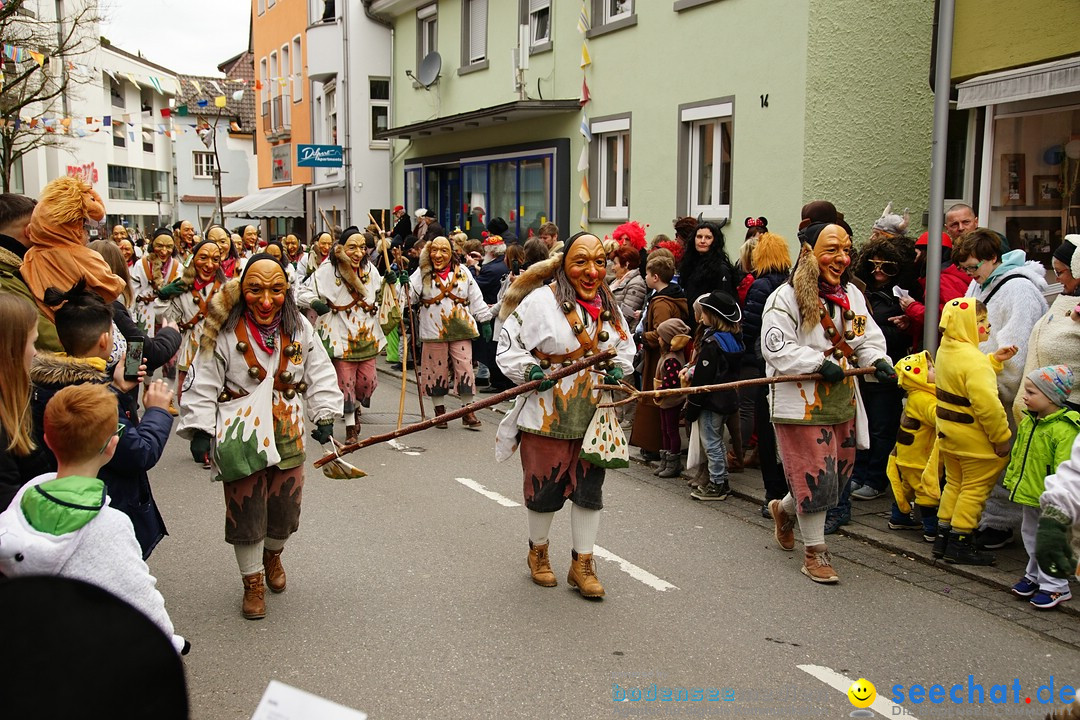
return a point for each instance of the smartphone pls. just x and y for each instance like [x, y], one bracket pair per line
[133, 360]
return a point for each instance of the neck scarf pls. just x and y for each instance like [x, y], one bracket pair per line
[593, 307]
[200, 284]
[445, 272]
[265, 335]
[834, 293]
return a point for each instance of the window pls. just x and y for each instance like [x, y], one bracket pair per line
[148, 138]
[297, 70]
[609, 15]
[264, 78]
[16, 182]
[203, 163]
[116, 92]
[427, 32]
[473, 32]
[262, 6]
[119, 134]
[270, 4]
[330, 96]
[129, 183]
[539, 22]
[380, 107]
[517, 187]
[281, 163]
[286, 70]
[705, 152]
[611, 145]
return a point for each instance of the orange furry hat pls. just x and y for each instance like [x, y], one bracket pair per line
[771, 254]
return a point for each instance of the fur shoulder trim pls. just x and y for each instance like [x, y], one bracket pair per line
[425, 262]
[221, 305]
[805, 281]
[345, 270]
[55, 369]
[537, 275]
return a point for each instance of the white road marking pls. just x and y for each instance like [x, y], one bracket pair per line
[489, 494]
[639, 574]
[401, 447]
[633, 570]
[841, 682]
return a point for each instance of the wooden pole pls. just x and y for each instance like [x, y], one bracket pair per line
[405, 352]
[389, 287]
[561, 372]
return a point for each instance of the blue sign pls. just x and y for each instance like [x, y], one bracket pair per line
[320, 156]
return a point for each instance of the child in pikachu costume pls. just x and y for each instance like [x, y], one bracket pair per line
[913, 477]
[973, 431]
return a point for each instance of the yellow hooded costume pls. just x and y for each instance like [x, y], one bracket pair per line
[915, 440]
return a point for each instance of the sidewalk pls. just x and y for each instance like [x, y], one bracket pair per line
[907, 555]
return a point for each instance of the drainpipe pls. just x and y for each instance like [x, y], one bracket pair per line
[942, 89]
[345, 71]
[387, 23]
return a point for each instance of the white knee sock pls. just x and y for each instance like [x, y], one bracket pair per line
[539, 526]
[273, 544]
[350, 420]
[249, 557]
[787, 504]
[812, 528]
[583, 526]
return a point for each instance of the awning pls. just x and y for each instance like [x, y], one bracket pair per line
[1035, 81]
[494, 115]
[285, 201]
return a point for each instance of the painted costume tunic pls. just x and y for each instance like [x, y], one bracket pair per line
[449, 309]
[189, 312]
[147, 306]
[225, 369]
[350, 331]
[538, 327]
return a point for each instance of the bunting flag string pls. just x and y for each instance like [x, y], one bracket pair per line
[586, 61]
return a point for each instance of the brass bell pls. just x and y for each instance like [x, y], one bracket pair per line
[286, 376]
[545, 364]
[577, 328]
[849, 335]
[253, 372]
[289, 350]
[849, 314]
[838, 353]
[605, 315]
[588, 353]
[242, 347]
[289, 393]
[823, 312]
[223, 397]
[567, 307]
[602, 336]
[830, 331]
[567, 363]
[301, 387]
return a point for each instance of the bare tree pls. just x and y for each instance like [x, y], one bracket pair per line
[30, 89]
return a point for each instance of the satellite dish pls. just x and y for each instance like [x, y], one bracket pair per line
[430, 67]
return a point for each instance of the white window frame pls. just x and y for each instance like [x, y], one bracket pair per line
[602, 131]
[534, 8]
[627, 12]
[427, 16]
[374, 104]
[330, 102]
[297, 70]
[264, 94]
[202, 165]
[693, 118]
[474, 39]
[285, 53]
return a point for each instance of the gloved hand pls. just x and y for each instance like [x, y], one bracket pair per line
[390, 277]
[487, 330]
[535, 372]
[174, 289]
[320, 307]
[200, 445]
[1052, 548]
[323, 432]
[832, 372]
[613, 376]
[884, 372]
[691, 412]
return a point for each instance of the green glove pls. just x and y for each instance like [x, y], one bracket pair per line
[390, 277]
[884, 372]
[614, 375]
[174, 289]
[1052, 548]
[535, 372]
[487, 330]
[832, 372]
[200, 445]
[320, 307]
[323, 431]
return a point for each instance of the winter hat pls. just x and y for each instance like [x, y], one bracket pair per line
[671, 328]
[721, 304]
[497, 226]
[819, 211]
[1054, 381]
[399, 208]
[924, 240]
[891, 223]
[1068, 252]
[159, 232]
[347, 233]
[493, 240]
[420, 212]
[429, 214]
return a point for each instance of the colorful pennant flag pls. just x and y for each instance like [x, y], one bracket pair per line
[238, 95]
[157, 85]
[219, 101]
[585, 96]
[134, 82]
[583, 159]
[584, 128]
[583, 192]
[217, 87]
[583, 19]
[586, 61]
[195, 84]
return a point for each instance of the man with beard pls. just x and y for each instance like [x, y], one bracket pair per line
[259, 370]
[343, 293]
[546, 324]
[818, 322]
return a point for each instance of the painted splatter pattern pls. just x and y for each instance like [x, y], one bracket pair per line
[554, 472]
[446, 369]
[266, 504]
[817, 461]
[357, 381]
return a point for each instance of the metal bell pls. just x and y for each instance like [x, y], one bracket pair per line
[301, 387]
[849, 335]
[603, 336]
[830, 331]
[289, 350]
[567, 363]
[223, 397]
[545, 364]
[286, 376]
[849, 314]
[253, 372]
[567, 307]
[242, 347]
[588, 353]
[605, 315]
[577, 328]
[289, 394]
[838, 353]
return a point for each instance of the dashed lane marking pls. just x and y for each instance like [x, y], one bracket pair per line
[489, 494]
[842, 682]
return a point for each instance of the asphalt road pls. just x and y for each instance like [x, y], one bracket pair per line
[409, 597]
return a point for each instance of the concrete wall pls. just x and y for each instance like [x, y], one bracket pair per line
[992, 35]
[869, 109]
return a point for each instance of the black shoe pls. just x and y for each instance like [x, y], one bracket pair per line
[765, 511]
[395, 366]
[961, 551]
[940, 542]
[993, 539]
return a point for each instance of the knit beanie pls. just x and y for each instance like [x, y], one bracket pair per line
[1068, 253]
[1054, 381]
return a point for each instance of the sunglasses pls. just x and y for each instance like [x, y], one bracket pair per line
[886, 266]
[120, 428]
[971, 269]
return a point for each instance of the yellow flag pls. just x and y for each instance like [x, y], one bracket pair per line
[39, 58]
[585, 60]
[219, 101]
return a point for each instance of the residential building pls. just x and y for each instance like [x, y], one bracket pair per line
[691, 107]
[1014, 136]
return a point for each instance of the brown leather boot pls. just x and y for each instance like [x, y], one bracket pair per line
[817, 564]
[275, 573]
[784, 529]
[539, 565]
[254, 604]
[440, 410]
[470, 421]
[582, 576]
[351, 435]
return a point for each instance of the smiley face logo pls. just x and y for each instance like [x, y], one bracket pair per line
[862, 693]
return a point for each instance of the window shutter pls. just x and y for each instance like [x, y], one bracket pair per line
[535, 5]
[477, 30]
